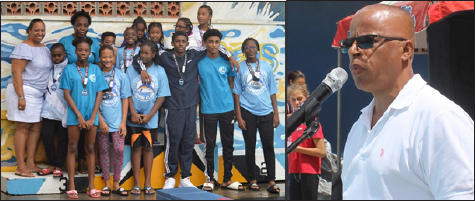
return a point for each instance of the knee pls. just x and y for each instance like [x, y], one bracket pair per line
[119, 149]
[72, 148]
[89, 148]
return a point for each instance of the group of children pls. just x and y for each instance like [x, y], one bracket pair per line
[109, 99]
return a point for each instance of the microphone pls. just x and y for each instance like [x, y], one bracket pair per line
[312, 106]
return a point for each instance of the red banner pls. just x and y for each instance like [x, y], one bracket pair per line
[441, 9]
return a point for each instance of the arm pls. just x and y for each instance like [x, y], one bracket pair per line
[135, 118]
[318, 151]
[241, 122]
[230, 83]
[275, 111]
[226, 54]
[122, 126]
[72, 105]
[103, 125]
[156, 106]
[18, 66]
[90, 121]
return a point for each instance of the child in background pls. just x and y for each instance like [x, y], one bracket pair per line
[125, 54]
[144, 103]
[156, 34]
[112, 119]
[109, 38]
[54, 109]
[183, 24]
[139, 25]
[83, 93]
[204, 17]
[256, 108]
[304, 162]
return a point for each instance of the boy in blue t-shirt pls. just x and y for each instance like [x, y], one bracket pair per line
[256, 108]
[216, 85]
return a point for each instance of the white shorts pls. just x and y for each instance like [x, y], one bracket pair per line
[34, 104]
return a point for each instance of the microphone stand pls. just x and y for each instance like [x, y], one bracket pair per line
[308, 133]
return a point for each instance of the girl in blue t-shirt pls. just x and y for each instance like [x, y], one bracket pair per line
[256, 108]
[144, 103]
[112, 120]
[82, 83]
[125, 54]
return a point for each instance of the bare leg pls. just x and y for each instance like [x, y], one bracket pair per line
[73, 138]
[148, 157]
[89, 141]
[33, 141]
[19, 140]
[136, 157]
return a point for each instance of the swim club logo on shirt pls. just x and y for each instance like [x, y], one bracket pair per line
[111, 98]
[144, 92]
[254, 88]
[92, 77]
[222, 70]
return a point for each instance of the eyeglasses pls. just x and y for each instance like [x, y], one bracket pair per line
[364, 42]
[252, 47]
[180, 27]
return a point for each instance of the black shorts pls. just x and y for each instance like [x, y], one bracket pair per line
[141, 137]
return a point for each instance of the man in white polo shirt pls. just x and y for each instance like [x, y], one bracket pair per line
[410, 142]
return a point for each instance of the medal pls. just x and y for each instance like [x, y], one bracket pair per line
[256, 85]
[84, 92]
[53, 87]
[181, 73]
[84, 81]
[256, 74]
[180, 81]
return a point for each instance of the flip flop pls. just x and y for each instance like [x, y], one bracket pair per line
[147, 189]
[253, 187]
[25, 174]
[135, 189]
[94, 191]
[120, 192]
[44, 172]
[208, 186]
[234, 186]
[57, 173]
[271, 189]
[106, 191]
[72, 194]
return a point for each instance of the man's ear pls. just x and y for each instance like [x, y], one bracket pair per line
[408, 50]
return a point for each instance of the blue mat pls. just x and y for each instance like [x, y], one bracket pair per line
[187, 193]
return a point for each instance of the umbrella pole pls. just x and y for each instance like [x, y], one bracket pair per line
[339, 112]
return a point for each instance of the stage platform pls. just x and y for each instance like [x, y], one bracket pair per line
[217, 193]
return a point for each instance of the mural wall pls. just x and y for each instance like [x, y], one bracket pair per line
[237, 21]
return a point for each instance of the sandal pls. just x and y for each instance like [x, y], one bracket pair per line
[106, 191]
[94, 193]
[135, 189]
[234, 186]
[72, 194]
[98, 169]
[120, 192]
[57, 173]
[272, 189]
[208, 186]
[253, 187]
[147, 191]
[44, 172]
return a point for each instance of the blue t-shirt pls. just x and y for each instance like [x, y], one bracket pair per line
[215, 91]
[144, 96]
[120, 57]
[256, 99]
[111, 107]
[71, 80]
[67, 41]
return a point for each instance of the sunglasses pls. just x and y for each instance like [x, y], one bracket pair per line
[364, 42]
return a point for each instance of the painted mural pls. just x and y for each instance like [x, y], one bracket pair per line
[237, 21]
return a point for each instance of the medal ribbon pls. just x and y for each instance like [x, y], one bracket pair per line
[183, 68]
[252, 72]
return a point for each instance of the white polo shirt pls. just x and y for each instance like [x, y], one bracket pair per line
[421, 148]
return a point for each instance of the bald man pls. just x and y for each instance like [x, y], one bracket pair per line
[410, 142]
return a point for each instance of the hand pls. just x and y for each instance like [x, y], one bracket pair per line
[145, 77]
[275, 120]
[241, 124]
[81, 123]
[145, 118]
[136, 119]
[104, 128]
[233, 64]
[89, 123]
[21, 104]
[122, 130]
